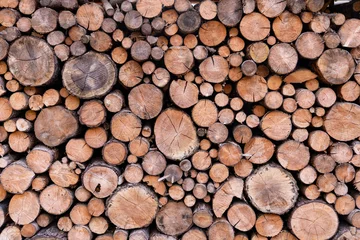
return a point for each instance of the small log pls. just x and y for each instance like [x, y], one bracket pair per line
[212, 33]
[62, 175]
[90, 16]
[288, 155]
[177, 65]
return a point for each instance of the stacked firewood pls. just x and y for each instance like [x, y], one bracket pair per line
[172, 119]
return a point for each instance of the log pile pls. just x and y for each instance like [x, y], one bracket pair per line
[171, 119]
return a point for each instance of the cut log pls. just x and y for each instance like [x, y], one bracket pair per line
[225, 194]
[176, 64]
[252, 89]
[17, 177]
[276, 125]
[330, 58]
[323, 228]
[32, 61]
[349, 33]
[145, 101]
[255, 26]
[288, 155]
[127, 211]
[212, 33]
[283, 58]
[90, 16]
[175, 134]
[56, 200]
[189, 22]
[241, 216]
[44, 20]
[22, 213]
[90, 75]
[230, 12]
[183, 93]
[341, 121]
[271, 189]
[58, 116]
[259, 150]
[214, 69]
[174, 212]
[221, 229]
[271, 8]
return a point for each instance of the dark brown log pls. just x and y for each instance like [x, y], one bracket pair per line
[91, 75]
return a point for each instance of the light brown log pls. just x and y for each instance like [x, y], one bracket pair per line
[275, 196]
[259, 150]
[276, 125]
[255, 26]
[349, 129]
[214, 69]
[326, 182]
[62, 175]
[80, 232]
[100, 179]
[182, 133]
[24, 214]
[224, 195]
[212, 33]
[17, 177]
[344, 204]
[269, 225]
[44, 20]
[349, 33]
[90, 16]
[11, 233]
[178, 65]
[183, 93]
[40, 66]
[287, 27]
[331, 57]
[120, 208]
[221, 229]
[323, 227]
[283, 58]
[154, 163]
[56, 200]
[241, 216]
